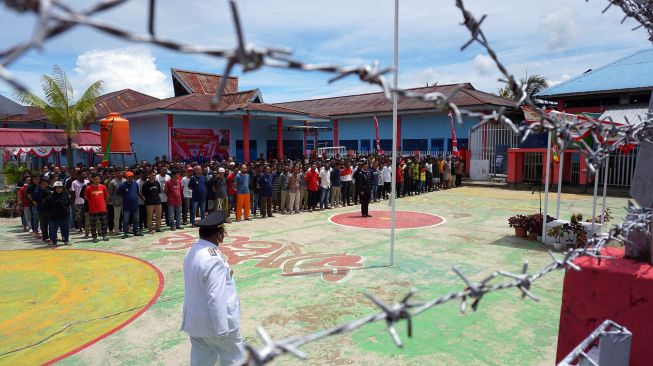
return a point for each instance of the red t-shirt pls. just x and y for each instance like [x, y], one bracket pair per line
[96, 198]
[312, 180]
[23, 197]
[231, 190]
[173, 191]
[400, 174]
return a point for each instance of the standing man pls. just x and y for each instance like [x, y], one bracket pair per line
[283, 185]
[211, 306]
[325, 186]
[265, 185]
[76, 189]
[335, 185]
[128, 190]
[188, 195]
[345, 178]
[293, 190]
[312, 184]
[162, 178]
[97, 195]
[242, 190]
[197, 185]
[57, 208]
[220, 189]
[363, 187]
[116, 201]
[172, 190]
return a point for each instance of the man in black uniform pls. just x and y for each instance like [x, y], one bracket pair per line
[363, 187]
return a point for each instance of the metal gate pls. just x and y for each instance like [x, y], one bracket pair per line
[489, 144]
[532, 167]
[621, 168]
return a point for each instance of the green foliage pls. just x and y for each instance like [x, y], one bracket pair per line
[534, 84]
[12, 172]
[60, 105]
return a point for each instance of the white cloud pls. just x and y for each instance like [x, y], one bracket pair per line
[484, 64]
[561, 28]
[122, 68]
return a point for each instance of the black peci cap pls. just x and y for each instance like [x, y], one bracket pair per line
[212, 221]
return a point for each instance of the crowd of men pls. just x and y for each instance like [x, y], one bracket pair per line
[101, 202]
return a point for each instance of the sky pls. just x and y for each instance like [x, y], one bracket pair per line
[558, 39]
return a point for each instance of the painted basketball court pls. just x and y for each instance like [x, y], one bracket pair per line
[119, 302]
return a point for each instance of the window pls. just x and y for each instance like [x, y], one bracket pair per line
[349, 144]
[365, 145]
[415, 144]
[639, 98]
[386, 145]
[240, 155]
[437, 144]
[462, 144]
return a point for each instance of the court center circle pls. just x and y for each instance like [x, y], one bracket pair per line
[383, 220]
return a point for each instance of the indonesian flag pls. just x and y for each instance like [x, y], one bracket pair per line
[454, 141]
[107, 152]
[376, 129]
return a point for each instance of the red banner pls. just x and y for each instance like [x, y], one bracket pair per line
[198, 142]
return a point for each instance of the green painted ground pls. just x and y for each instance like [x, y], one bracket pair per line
[505, 331]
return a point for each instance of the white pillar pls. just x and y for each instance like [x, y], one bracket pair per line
[595, 196]
[605, 190]
[561, 162]
[546, 187]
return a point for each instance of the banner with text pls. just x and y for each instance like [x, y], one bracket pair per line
[190, 143]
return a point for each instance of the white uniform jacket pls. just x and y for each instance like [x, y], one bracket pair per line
[211, 304]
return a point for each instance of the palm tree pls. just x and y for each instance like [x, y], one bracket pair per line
[60, 106]
[534, 84]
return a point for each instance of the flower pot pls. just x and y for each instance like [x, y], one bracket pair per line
[558, 246]
[520, 232]
[532, 235]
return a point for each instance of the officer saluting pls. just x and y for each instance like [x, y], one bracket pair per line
[211, 306]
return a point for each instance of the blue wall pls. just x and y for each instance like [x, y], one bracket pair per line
[150, 134]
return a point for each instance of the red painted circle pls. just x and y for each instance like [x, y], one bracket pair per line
[382, 220]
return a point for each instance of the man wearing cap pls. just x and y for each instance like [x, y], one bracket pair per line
[211, 306]
[363, 187]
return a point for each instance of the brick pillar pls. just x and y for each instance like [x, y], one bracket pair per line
[279, 138]
[246, 138]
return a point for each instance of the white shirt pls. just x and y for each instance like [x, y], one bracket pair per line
[162, 181]
[386, 174]
[429, 167]
[325, 178]
[187, 192]
[211, 304]
[140, 182]
[76, 186]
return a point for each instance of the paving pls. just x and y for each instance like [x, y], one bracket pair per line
[85, 305]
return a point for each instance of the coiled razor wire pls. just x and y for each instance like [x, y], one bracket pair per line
[56, 18]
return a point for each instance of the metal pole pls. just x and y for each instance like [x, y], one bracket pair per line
[394, 135]
[596, 191]
[605, 191]
[546, 187]
[562, 162]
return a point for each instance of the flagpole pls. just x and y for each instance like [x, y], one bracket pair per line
[393, 195]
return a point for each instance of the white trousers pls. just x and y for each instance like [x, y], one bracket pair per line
[229, 348]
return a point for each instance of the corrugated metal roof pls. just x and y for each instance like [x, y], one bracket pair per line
[33, 115]
[377, 103]
[204, 83]
[631, 72]
[633, 113]
[120, 100]
[242, 101]
[9, 108]
[17, 137]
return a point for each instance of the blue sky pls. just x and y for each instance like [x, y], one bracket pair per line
[556, 38]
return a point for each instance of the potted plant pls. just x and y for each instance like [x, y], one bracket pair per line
[561, 233]
[535, 223]
[520, 223]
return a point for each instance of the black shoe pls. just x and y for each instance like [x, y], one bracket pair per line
[125, 236]
[138, 234]
[95, 240]
[158, 230]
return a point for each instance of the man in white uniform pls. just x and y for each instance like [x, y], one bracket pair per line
[211, 305]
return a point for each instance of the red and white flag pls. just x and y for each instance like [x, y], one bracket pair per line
[454, 141]
[376, 129]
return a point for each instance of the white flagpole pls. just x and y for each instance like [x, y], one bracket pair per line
[605, 191]
[561, 161]
[394, 135]
[546, 187]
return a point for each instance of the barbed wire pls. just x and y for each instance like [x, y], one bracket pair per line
[581, 352]
[55, 18]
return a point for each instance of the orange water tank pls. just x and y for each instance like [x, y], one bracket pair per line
[120, 142]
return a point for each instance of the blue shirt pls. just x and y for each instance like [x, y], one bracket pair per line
[242, 183]
[39, 196]
[198, 185]
[129, 194]
[265, 182]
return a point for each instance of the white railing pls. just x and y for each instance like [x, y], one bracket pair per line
[484, 138]
[621, 168]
